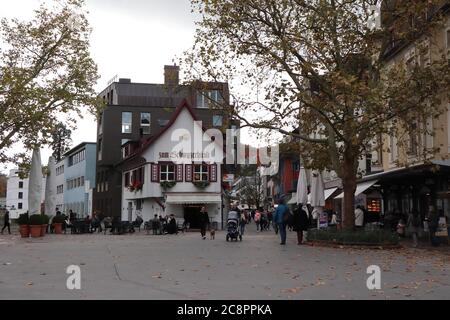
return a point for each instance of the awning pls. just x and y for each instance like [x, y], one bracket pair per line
[361, 187]
[327, 192]
[193, 198]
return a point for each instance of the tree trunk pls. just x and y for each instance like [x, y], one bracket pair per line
[349, 186]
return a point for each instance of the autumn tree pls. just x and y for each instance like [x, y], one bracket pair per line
[46, 75]
[250, 187]
[319, 66]
[60, 141]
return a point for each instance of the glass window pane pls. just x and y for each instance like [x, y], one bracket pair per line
[126, 122]
[145, 118]
[217, 121]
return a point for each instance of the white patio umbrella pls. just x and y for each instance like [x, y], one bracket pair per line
[50, 187]
[302, 187]
[35, 184]
[317, 190]
[317, 194]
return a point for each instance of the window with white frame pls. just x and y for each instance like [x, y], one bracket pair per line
[167, 172]
[201, 172]
[145, 122]
[127, 122]
[207, 98]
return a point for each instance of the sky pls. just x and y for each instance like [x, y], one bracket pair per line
[131, 39]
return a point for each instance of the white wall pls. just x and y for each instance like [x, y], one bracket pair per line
[153, 189]
[12, 194]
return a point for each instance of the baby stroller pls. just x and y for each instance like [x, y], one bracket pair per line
[233, 226]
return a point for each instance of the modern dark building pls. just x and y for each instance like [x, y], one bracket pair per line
[136, 112]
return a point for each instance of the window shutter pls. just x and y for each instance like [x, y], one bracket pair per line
[188, 169]
[213, 172]
[179, 172]
[155, 172]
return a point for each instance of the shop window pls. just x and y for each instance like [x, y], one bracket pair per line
[201, 172]
[374, 205]
[167, 172]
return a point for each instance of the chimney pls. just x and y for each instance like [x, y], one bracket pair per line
[172, 75]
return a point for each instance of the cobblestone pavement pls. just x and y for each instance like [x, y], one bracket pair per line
[184, 266]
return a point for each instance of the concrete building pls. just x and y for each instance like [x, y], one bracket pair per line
[79, 176]
[17, 194]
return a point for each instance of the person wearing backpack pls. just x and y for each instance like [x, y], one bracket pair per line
[413, 226]
[281, 218]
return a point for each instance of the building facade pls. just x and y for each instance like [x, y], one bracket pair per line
[138, 112]
[17, 194]
[79, 179]
[169, 175]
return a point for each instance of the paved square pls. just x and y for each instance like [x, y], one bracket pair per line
[141, 266]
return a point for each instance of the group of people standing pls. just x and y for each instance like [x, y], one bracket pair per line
[299, 221]
[164, 225]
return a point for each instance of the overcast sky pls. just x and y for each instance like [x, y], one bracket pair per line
[131, 38]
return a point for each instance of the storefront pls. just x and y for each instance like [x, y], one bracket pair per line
[164, 176]
[400, 191]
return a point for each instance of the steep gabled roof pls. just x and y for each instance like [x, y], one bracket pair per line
[184, 105]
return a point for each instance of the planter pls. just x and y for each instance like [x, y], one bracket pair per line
[58, 228]
[24, 231]
[201, 184]
[35, 231]
[43, 229]
[167, 184]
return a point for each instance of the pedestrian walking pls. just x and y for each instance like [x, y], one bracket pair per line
[242, 223]
[6, 222]
[258, 220]
[281, 218]
[155, 224]
[269, 219]
[413, 226]
[204, 222]
[300, 223]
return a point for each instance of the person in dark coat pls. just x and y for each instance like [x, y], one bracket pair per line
[301, 223]
[172, 227]
[6, 223]
[204, 222]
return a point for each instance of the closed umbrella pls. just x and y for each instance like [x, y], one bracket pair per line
[317, 190]
[317, 195]
[302, 187]
[35, 184]
[50, 187]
